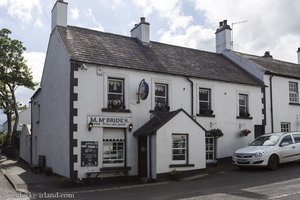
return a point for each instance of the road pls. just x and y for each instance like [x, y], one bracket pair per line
[283, 183]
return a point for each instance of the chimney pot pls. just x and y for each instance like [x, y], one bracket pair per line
[220, 24]
[143, 19]
[225, 22]
[298, 49]
[298, 55]
[267, 55]
[141, 31]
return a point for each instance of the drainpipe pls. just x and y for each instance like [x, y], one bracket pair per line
[150, 158]
[192, 96]
[31, 128]
[265, 108]
[125, 148]
[271, 103]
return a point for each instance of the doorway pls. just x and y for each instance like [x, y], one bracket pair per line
[259, 130]
[142, 156]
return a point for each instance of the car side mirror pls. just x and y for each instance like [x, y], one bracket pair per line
[283, 144]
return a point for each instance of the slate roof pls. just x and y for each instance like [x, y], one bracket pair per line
[109, 49]
[158, 121]
[273, 66]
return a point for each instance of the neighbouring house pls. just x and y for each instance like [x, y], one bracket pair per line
[111, 104]
[281, 78]
[25, 143]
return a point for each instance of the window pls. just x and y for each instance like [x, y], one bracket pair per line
[296, 137]
[179, 147]
[115, 93]
[285, 127]
[161, 97]
[205, 101]
[113, 153]
[294, 96]
[210, 152]
[287, 139]
[243, 105]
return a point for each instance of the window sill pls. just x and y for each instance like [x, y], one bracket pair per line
[159, 111]
[116, 110]
[241, 117]
[205, 115]
[181, 165]
[114, 169]
[294, 104]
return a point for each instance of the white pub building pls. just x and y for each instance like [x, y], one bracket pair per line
[111, 104]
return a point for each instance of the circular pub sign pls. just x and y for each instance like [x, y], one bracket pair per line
[143, 89]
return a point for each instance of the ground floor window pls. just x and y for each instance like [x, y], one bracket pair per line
[285, 127]
[210, 148]
[179, 148]
[113, 153]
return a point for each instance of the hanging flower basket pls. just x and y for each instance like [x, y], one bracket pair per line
[217, 133]
[244, 132]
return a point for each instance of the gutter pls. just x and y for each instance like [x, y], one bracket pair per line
[271, 103]
[192, 96]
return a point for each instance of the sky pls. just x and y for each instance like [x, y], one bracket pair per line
[258, 26]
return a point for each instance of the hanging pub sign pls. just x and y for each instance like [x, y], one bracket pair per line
[89, 153]
[143, 90]
[113, 122]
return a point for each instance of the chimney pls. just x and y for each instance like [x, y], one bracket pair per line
[141, 32]
[267, 55]
[223, 37]
[59, 14]
[298, 52]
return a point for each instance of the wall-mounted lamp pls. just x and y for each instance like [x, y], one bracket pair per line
[90, 126]
[130, 127]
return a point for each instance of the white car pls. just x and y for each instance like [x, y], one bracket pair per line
[269, 150]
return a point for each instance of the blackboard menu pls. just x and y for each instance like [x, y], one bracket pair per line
[89, 153]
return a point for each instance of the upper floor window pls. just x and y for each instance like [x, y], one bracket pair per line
[285, 127]
[294, 96]
[243, 105]
[115, 93]
[161, 97]
[205, 101]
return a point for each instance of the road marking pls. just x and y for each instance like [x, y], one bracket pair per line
[119, 188]
[284, 195]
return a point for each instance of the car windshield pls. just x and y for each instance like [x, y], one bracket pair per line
[265, 140]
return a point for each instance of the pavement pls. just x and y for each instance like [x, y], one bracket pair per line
[25, 181]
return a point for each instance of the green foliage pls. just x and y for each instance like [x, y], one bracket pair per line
[14, 73]
[4, 139]
[174, 175]
[215, 133]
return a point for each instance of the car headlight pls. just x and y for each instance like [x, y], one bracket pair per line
[259, 154]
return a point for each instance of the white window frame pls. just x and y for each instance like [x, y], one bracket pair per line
[209, 102]
[247, 108]
[169, 92]
[285, 127]
[105, 88]
[114, 93]
[113, 162]
[210, 148]
[185, 148]
[293, 92]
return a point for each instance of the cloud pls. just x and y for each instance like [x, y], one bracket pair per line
[22, 10]
[89, 13]
[74, 13]
[35, 61]
[116, 3]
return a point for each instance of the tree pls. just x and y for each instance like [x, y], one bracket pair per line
[13, 73]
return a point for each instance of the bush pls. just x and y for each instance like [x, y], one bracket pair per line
[174, 175]
[4, 139]
[48, 171]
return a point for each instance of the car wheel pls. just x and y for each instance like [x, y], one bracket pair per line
[273, 162]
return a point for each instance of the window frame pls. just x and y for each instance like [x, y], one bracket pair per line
[122, 94]
[293, 90]
[285, 129]
[185, 160]
[208, 111]
[246, 105]
[209, 152]
[166, 97]
[113, 162]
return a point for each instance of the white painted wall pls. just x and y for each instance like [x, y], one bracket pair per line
[180, 124]
[92, 98]
[282, 111]
[51, 124]
[25, 144]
